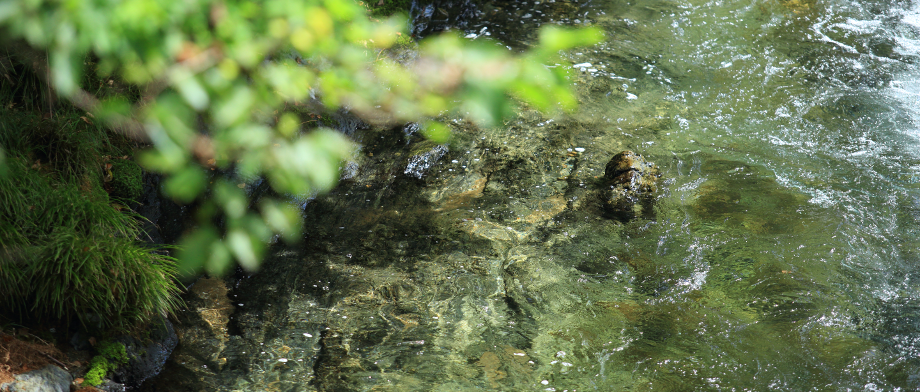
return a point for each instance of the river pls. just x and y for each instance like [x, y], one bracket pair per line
[782, 251]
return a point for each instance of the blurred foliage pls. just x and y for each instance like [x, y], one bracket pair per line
[224, 90]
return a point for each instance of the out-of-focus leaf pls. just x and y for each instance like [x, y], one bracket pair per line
[282, 218]
[8, 9]
[436, 131]
[64, 72]
[343, 10]
[486, 104]
[111, 108]
[229, 69]
[292, 82]
[286, 180]
[241, 245]
[319, 21]
[384, 34]
[195, 249]
[219, 260]
[533, 95]
[186, 185]
[334, 143]
[246, 136]
[163, 159]
[191, 90]
[288, 124]
[175, 119]
[303, 39]
[234, 107]
[278, 28]
[231, 198]
[555, 38]
[258, 231]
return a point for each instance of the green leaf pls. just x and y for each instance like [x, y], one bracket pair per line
[234, 108]
[186, 185]
[436, 132]
[191, 90]
[555, 38]
[195, 249]
[241, 245]
[231, 198]
[219, 260]
[8, 9]
[288, 124]
[282, 218]
[167, 159]
[64, 72]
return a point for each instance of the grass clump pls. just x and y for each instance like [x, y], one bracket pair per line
[65, 249]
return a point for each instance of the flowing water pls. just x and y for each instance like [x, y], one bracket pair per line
[782, 251]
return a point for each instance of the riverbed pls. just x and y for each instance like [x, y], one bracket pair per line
[779, 252]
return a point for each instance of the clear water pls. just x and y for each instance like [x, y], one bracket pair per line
[782, 254]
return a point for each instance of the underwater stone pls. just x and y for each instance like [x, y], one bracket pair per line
[420, 163]
[629, 186]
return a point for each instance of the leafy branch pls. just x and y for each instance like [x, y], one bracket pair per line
[225, 86]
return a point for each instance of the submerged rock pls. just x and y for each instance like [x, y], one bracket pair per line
[630, 185]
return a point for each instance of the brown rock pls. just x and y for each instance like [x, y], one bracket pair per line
[629, 187]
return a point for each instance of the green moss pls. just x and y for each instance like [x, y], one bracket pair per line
[98, 368]
[111, 356]
[126, 180]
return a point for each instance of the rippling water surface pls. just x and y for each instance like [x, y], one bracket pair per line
[783, 252]
[786, 251]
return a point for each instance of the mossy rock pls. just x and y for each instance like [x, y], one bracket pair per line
[111, 356]
[630, 185]
[127, 181]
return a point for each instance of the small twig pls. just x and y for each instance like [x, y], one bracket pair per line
[46, 355]
[56, 361]
[39, 339]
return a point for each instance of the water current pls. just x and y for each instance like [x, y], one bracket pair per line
[785, 254]
[782, 251]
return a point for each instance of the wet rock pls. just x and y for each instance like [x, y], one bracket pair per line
[630, 185]
[420, 163]
[48, 379]
[147, 356]
[202, 330]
